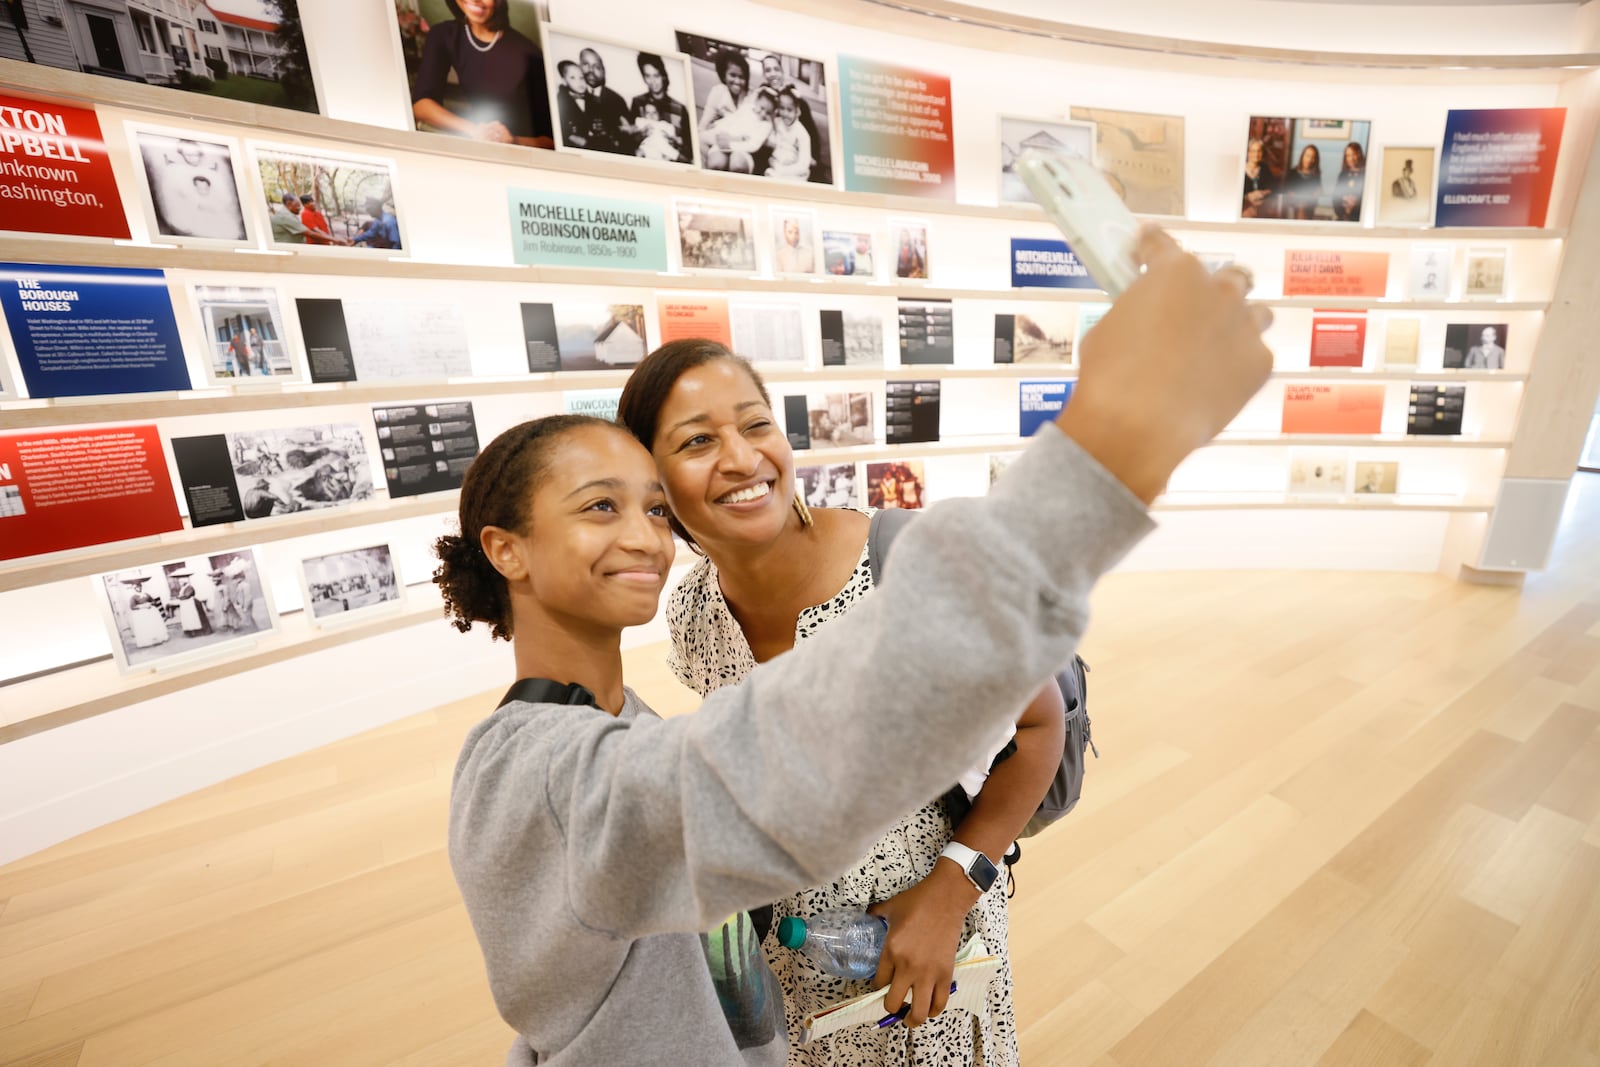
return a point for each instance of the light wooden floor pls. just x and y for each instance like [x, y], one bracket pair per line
[1339, 818]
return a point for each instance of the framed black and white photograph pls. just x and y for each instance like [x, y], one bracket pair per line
[327, 203]
[575, 335]
[794, 242]
[1042, 333]
[618, 100]
[1485, 274]
[244, 334]
[191, 186]
[253, 51]
[716, 236]
[164, 614]
[1405, 185]
[1058, 136]
[908, 242]
[849, 254]
[840, 419]
[475, 70]
[830, 485]
[344, 587]
[1318, 471]
[760, 111]
[1475, 346]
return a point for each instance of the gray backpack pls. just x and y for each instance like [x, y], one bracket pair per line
[1067, 785]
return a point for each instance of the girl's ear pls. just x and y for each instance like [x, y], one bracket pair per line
[504, 552]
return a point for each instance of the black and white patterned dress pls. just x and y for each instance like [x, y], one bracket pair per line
[709, 651]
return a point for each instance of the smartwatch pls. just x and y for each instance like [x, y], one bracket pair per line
[979, 871]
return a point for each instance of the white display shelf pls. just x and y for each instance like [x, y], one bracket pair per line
[1286, 502]
[195, 541]
[84, 691]
[1285, 440]
[180, 106]
[1345, 374]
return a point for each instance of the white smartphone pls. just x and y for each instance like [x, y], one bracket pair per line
[1098, 225]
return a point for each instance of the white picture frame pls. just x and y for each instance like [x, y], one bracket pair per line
[806, 259]
[1017, 133]
[910, 238]
[230, 609]
[1395, 209]
[1484, 276]
[841, 247]
[716, 237]
[345, 588]
[1318, 472]
[621, 67]
[375, 176]
[214, 307]
[183, 215]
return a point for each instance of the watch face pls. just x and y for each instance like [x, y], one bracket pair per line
[982, 872]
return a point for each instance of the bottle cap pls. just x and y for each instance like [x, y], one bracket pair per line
[791, 931]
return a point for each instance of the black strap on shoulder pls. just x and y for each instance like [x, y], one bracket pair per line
[544, 691]
[886, 524]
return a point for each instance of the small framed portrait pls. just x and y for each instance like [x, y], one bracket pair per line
[908, 241]
[1019, 135]
[325, 203]
[849, 254]
[794, 242]
[614, 99]
[345, 587]
[716, 237]
[1318, 471]
[830, 485]
[166, 614]
[190, 185]
[246, 336]
[1475, 346]
[1405, 185]
[1376, 478]
[1312, 170]
[1485, 274]
[896, 484]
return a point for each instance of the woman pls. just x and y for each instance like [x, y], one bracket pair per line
[592, 840]
[1258, 183]
[725, 100]
[1303, 186]
[654, 72]
[499, 72]
[1350, 185]
[775, 572]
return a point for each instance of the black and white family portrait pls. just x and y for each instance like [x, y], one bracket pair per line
[618, 100]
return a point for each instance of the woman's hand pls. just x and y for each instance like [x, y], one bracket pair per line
[1255, 196]
[919, 955]
[493, 132]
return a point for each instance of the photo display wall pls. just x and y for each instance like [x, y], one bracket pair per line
[787, 268]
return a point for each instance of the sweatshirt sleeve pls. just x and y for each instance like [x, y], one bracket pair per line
[783, 780]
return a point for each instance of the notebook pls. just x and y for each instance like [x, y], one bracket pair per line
[975, 969]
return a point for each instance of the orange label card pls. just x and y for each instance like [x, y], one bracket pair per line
[696, 316]
[1316, 273]
[1333, 409]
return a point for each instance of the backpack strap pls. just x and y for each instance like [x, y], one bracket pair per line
[545, 691]
[885, 526]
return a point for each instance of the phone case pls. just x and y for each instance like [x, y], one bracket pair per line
[1097, 224]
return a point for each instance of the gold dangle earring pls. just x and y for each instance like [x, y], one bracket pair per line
[801, 510]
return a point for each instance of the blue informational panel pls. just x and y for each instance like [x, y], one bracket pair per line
[92, 331]
[1038, 263]
[1039, 402]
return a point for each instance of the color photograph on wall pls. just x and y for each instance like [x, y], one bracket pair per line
[848, 254]
[244, 333]
[616, 100]
[324, 203]
[343, 587]
[794, 242]
[576, 335]
[1405, 186]
[716, 236]
[191, 184]
[1041, 135]
[898, 131]
[1306, 169]
[58, 175]
[253, 51]
[897, 484]
[475, 71]
[1043, 333]
[908, 239]
[1498, 166]
[761, 112]
[1141, 155]
[198, 607]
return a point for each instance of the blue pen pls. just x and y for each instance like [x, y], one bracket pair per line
[894, 1017]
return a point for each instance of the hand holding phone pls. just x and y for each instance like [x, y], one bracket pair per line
[1101, 230]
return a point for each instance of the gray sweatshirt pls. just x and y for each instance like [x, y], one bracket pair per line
[594, 851]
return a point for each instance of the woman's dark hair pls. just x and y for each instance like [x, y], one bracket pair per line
[496, 492]
[726, 59]
[500, 20]
[1361, 157]
[650, 59]
[639, 410]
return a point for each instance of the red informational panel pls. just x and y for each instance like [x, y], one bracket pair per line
[55, 176]
[66, 489]
[1332, 409]
[1317, 273]
[696, 316]
[1338, 339]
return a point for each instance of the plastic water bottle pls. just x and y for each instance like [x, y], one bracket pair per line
[842, 941]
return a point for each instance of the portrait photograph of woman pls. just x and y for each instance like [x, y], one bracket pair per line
[1311, 170]
[475, 69]
[761, 111]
